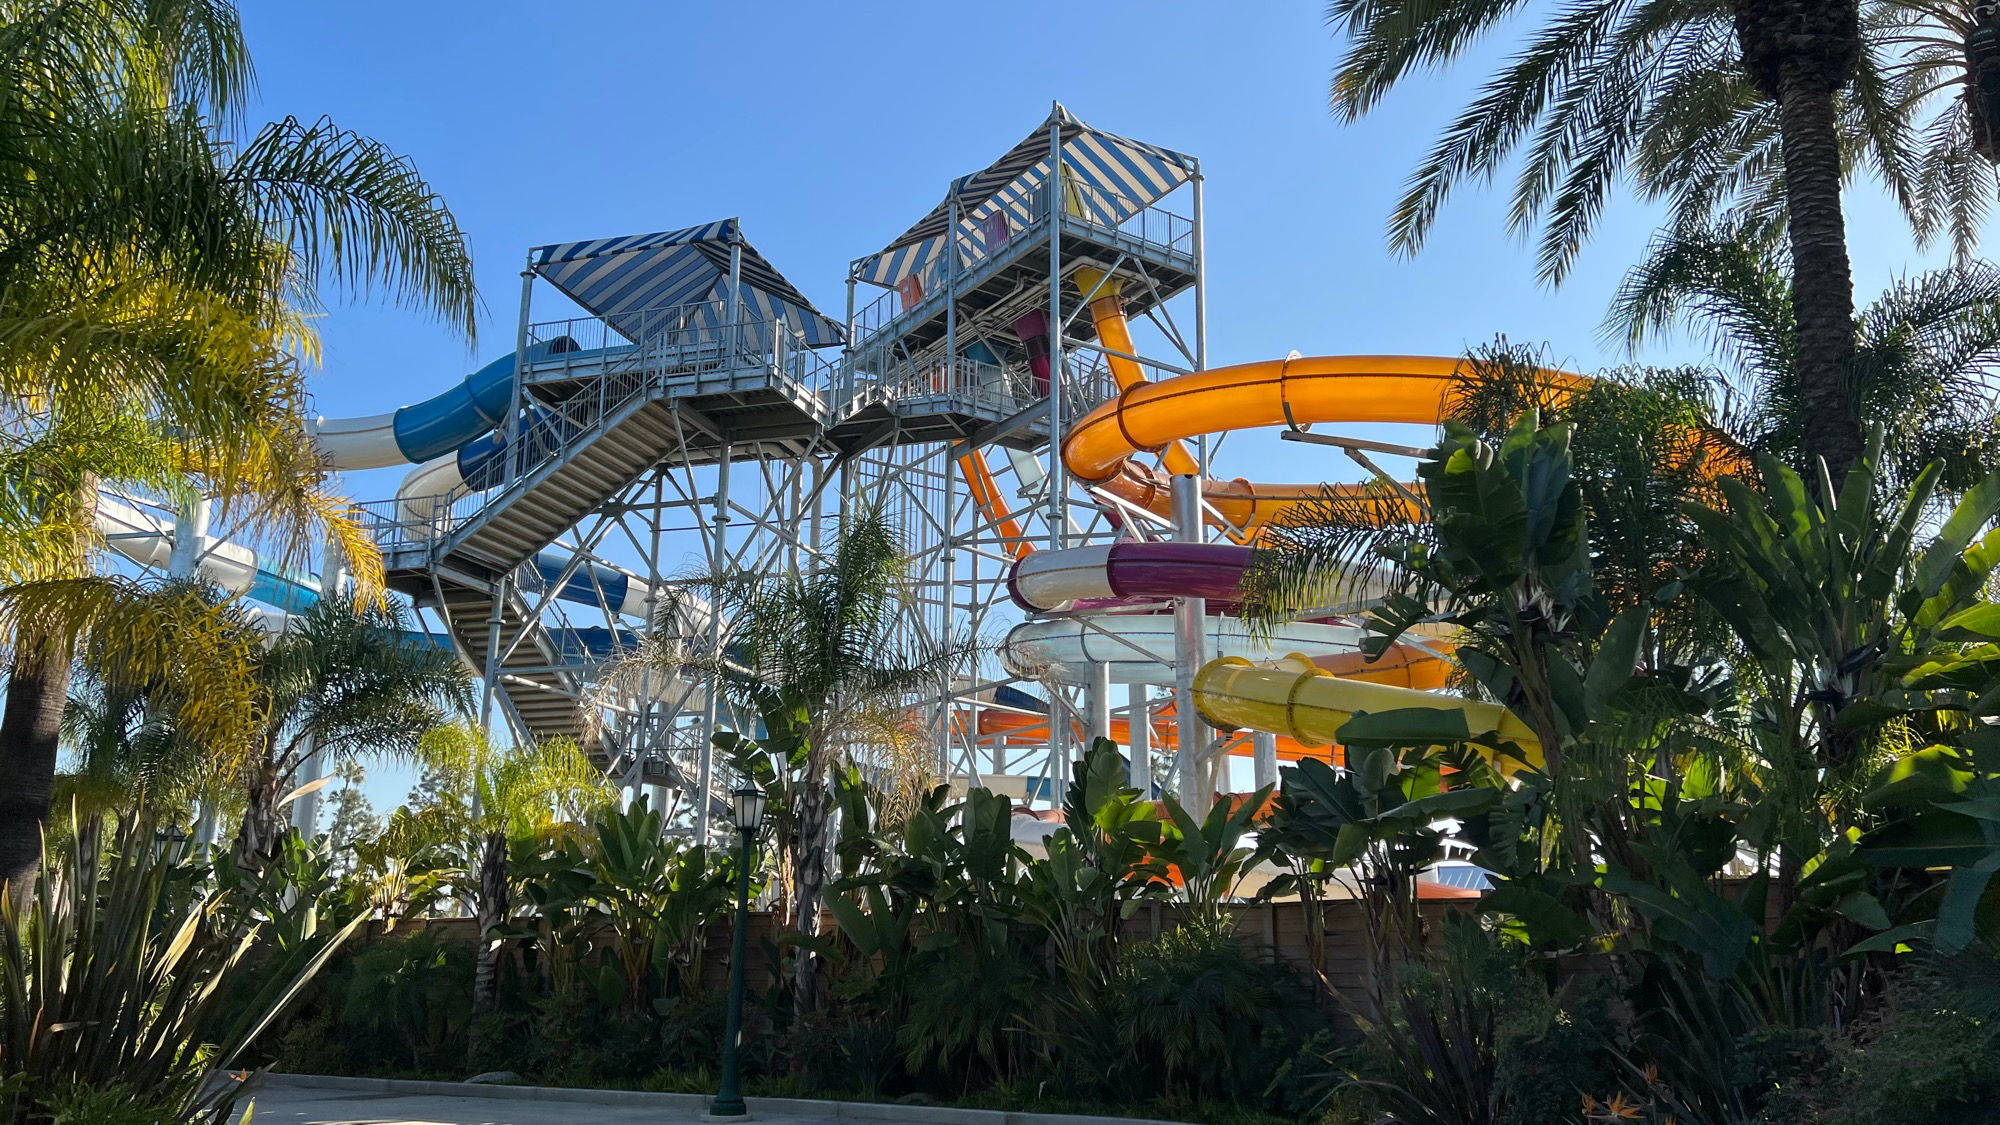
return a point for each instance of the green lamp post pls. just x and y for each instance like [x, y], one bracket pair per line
[747, 810]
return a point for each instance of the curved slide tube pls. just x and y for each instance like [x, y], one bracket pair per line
[1309, 704]
[146, 537]
[439, 425]
[1139, 648]
[1092, 579]
[1149, 417]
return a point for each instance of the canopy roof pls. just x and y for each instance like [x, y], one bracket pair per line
[616, 278]
[1119, 177]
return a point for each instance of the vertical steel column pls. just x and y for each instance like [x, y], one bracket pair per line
[1058, 476]
[511, 459]
[1189, 617]
[649, 724]
[950, 544]
[951, 297]
[735, 336]
[305, 810]
[1098, 701]
[717, 560]
[845, 389]
[1139, 766]
[947, 697]
[819, 506]
[1200, 305]
[490, 668]
[1264, 758]
[190, 530]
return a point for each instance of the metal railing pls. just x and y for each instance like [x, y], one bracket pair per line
[692, 338]
[976, 241]
[601, 372]
[963, 381]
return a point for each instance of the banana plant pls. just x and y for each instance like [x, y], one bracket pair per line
[1101, 865]
[651, 895]
[1210, 855]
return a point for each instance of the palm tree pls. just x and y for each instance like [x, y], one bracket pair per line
[1701, 102]
[160, 262]
[522, 795]
[342, 682]
[820, 659]
[127, 746]
[1926, 359]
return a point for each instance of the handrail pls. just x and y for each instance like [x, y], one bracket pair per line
[678, 347]
[1080, 204]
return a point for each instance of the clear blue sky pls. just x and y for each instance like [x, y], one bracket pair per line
[830, 127]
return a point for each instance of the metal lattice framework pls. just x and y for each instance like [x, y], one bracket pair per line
[653, 447]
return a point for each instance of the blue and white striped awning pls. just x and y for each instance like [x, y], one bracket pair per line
[1106, 179]
[620, 278]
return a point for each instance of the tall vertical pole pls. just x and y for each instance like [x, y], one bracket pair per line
[947, 697]
[1189, 615]
[650, 725]
[1139, 719]
[846, 390]
[1098, 701]
[490, 667]
[717, 560]
[735, 290]
[1058, 476]
[1264, 758]
[728, 1100]
[951, 298]
[1200, 304]
[190, 530]
[305, 810]
[511, 458]
[190, 534]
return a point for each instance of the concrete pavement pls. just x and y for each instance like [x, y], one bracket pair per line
[317, 1100]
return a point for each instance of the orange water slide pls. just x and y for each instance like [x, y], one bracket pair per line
[1148, 417]
[986, 493]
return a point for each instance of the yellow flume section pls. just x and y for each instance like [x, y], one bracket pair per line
[1304, 702]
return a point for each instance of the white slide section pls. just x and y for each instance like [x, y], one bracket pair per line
[1139, 648]
[359, 443]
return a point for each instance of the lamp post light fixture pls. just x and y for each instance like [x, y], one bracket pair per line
[747, 812]
[167, 841]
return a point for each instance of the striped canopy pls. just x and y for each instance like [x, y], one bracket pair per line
[620, 278]
[1107, 179]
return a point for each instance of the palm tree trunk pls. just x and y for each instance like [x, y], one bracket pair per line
[30, 728]
[1801, 54]
[493, 911]
[1822, 282]
[257, 838]
[31, 724]
[809, 885]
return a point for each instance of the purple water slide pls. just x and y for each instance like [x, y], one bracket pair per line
[1136, 573]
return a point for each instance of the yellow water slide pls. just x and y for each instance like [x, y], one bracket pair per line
[1297, 699]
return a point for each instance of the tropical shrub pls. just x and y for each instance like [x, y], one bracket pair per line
[121, 972]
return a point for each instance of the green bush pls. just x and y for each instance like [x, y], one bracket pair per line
[1550, 1052]
[412, 998]
[1198, 1017]
[117, 1104]
[1916, 1063]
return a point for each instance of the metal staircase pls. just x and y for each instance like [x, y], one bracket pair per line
[596, 420]
[540, 689]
